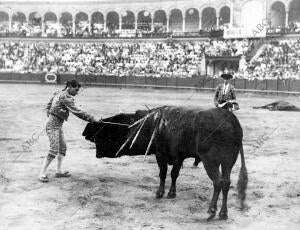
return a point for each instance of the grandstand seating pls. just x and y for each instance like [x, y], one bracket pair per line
[170, 59]
[279, 59]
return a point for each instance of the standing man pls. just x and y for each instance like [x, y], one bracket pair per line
[225, 96]
[58, 110]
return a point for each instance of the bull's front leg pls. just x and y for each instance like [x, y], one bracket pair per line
[163, 168]
[174, 175]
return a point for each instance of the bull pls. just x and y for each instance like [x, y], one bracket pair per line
[173, 134]
[279, 106]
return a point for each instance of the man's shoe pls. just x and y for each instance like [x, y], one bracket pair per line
[44, 179]
[63, 174]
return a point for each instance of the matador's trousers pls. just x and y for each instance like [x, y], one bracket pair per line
[56, 136]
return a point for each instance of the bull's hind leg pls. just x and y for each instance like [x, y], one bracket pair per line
[212, 169]
[174, 175]
[226, 171]
[163, 168]
[227, 165]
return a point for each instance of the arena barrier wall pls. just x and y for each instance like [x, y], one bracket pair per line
[22, 78]
[288, 86]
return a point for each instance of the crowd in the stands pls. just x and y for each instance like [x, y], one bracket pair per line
[171, 58]
[278, 59]
[293, 27]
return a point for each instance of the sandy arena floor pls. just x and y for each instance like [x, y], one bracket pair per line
[119, 193]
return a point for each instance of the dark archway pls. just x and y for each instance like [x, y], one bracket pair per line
[18, 20]
[50, 16]
[97, 23]
[160, 21]
[34, 27]
[277, 15]
[176, 20]
[112, 22]
[294, 13]
[192, 20]
[4, 21]
[66, 24]
[19, 17]
[81, 24]
[209, 19]
[35, 19]
[128, 20]
[51, 26]
[224, 16]
[144, 20]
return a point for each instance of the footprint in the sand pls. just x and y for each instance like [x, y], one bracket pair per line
[148, 179]
[139, 206]
[200, 197]
[124, 164]
[258, 194]
[84, 199]
[98, 194]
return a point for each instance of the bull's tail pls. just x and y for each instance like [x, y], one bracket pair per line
[243, 179]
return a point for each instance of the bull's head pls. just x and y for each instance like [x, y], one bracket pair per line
[110, 137]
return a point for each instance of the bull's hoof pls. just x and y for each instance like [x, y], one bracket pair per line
[171, 195]
[223, 216]
[212, 213]
[211, 216]
[160, 194]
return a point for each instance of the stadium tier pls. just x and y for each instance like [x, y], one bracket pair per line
[277, 59]
[251, 47]
[137, 18]
[170, 59]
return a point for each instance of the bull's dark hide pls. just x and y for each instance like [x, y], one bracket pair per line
[110, 137]
[278, 106]
[215, 136]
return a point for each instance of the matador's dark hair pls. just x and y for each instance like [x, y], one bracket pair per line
[74, 83]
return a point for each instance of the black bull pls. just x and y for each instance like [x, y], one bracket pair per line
[215, 136]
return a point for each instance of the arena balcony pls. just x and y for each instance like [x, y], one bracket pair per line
[62, 19]
[114, 34]
[89, 20]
